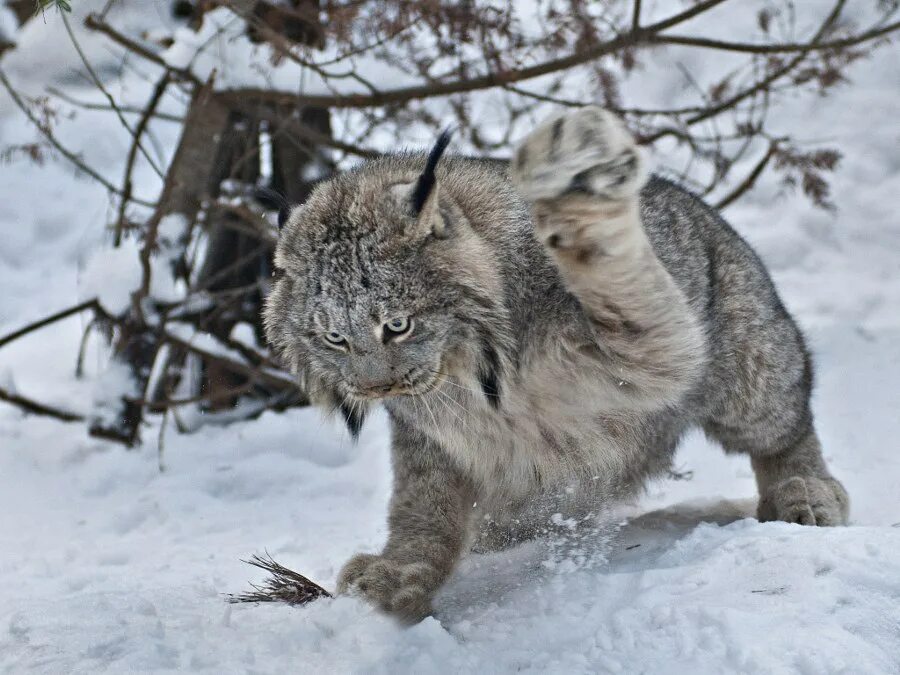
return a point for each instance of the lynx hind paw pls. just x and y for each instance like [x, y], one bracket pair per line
[588, 151]
[805, 500]
[403, 590]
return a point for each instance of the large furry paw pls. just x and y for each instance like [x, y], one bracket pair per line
[587, 151]
[403, 590]
[805, 500]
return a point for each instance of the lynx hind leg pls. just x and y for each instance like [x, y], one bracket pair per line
[587, 151]
[796, 487]
[765, 413]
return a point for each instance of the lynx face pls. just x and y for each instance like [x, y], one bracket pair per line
[374, 300]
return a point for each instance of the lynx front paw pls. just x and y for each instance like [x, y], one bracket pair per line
[587, 151]
[805, 500]
[401, 589]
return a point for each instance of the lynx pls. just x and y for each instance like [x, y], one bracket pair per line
[541, 335]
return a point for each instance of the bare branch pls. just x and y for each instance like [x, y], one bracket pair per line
[763, 84]
[131, 110]
[97, 23]
[68, 154]
[751, 178]
[777, 48]
[261, 375]
[155, 98]
[35, 408]
[494, 79]
[46, 321]
[109, 97]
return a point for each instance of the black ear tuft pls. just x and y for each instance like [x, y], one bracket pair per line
[426, 181]
[489, 375]
[274, 201]
[354, 418]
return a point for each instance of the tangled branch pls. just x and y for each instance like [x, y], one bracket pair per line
[455, 61]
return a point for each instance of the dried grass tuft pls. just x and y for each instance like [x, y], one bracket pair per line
[283, 585]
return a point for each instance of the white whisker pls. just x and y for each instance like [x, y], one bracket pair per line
[428, 408]
[448, 408]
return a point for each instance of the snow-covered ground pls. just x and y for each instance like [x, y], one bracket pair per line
[109, 565]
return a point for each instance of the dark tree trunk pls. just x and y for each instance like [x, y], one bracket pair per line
[218, 161]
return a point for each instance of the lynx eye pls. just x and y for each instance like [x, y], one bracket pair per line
[397, 326]
[335, 338]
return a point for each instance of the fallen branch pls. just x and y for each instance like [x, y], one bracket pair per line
[276, 379]
[283, 586]
[46, 321]
[35, 408]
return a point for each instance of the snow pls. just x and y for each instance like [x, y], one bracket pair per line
[108, 564]
[111, 275]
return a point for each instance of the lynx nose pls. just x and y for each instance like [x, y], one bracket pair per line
[375, 383]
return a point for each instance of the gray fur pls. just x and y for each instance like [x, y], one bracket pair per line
[571, 320]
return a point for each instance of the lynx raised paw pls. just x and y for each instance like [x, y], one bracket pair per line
[401, 589]
[586, 151]
[582, 173]
[805, 500]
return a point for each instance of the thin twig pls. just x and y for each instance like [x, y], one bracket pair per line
[131, 110]
[155, 98]
[68, 154]
[760, 86]
[82, 347]
[109, 97]
[161, 441]
[751, 178]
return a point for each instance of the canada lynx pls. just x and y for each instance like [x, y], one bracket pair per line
[541, 336]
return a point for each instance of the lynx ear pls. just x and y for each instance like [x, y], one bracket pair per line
[274, 201]
[424, 199]
[427, 183]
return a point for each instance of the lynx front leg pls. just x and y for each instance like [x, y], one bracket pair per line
[429, 519]
[582, 173]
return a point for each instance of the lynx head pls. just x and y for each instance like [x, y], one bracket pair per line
[383, 289]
